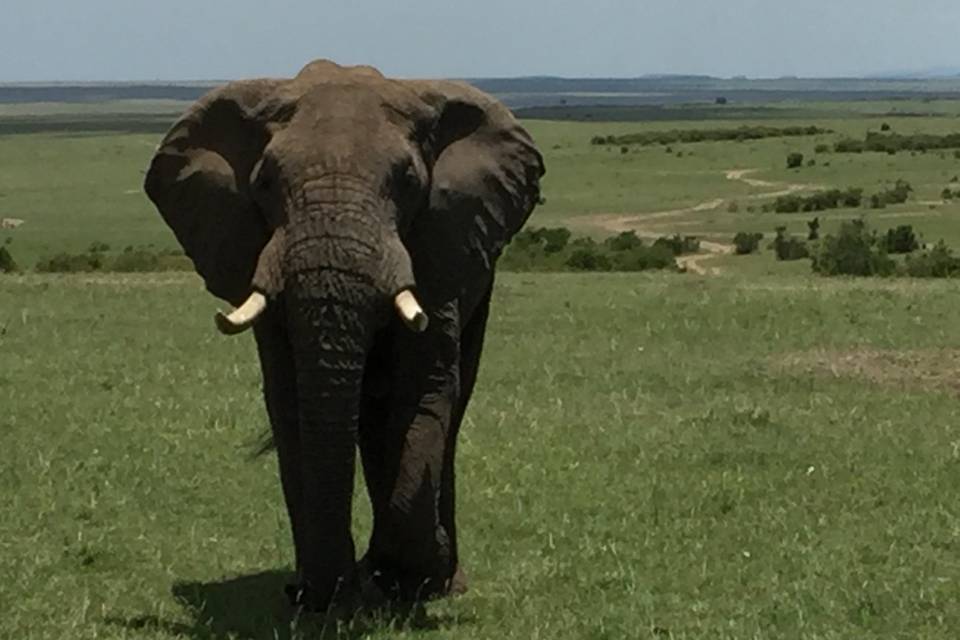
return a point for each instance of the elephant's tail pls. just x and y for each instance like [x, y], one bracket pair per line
[262, 445]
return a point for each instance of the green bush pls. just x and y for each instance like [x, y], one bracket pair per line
[132, 259]
[789, 248]
[71, 263]
[678, 245]
[555, 250]
[794, 160]
[7, 263]
[822, 148]
[820, 201]
[626, 241]
[643, 258]
[938, 262]
[853, 251]
[138, 261]
[589, 259]
[900, 240]
[746, 243]
[897, 194]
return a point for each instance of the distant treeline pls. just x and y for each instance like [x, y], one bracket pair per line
[894, 142]
[707, 135]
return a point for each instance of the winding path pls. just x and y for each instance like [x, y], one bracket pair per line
[636, 222]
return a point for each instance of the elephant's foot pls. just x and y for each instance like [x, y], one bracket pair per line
[398, 586]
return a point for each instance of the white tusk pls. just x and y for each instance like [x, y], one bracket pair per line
[410, 311]
[243, 317]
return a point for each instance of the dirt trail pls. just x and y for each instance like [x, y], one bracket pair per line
[618, 223]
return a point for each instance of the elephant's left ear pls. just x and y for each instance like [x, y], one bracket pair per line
[484, 185]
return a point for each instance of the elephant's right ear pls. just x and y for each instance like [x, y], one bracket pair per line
[199, 181]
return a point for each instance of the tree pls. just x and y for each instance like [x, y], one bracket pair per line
[794, 160]
[814, 226]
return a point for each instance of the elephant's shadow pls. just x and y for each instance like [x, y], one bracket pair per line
[253, 607]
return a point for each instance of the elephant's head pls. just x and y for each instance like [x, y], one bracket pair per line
[340, 197]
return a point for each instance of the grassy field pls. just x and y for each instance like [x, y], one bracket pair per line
[761, 453]
[73, 174]
[658, 456]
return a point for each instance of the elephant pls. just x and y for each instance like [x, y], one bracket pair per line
[354, 221]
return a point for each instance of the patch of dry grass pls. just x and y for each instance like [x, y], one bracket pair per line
[927, 369]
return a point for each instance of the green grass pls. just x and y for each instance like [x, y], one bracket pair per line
[638, 462]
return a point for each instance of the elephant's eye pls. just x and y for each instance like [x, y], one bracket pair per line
[409, 178]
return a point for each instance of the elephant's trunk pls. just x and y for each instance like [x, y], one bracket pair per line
[338, 283]
[330, 338]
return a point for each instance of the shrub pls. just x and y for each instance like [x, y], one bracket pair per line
[555, 239]
[849, 145]
[900, 240]
[746, 243]
[733, 207]
[794, 160]
[938, 262]
[626, 241]
[7, 263]
[819, 201]
[897, 194]
[71, 263]
[789, 248]
[678, 245]
[822, 148]
[884, 127]
[946, 194]
[643, 258]
[554, 250]
[853, 251]
[139, 259]
[813, 229]
[550, 239]
[588, 259]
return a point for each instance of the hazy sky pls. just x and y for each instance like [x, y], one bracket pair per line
[223, 39]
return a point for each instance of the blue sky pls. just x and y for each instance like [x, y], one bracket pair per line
[223, 39]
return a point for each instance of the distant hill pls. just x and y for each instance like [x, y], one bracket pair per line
[555, 91]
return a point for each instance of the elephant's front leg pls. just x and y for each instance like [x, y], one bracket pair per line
[471, 345]
[410, 549]
[280, 395]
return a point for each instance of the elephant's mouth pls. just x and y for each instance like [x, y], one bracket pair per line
[243, 317]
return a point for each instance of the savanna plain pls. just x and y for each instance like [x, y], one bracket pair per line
[744, 449]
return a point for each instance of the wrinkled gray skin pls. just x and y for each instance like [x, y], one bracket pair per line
[330, 193]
